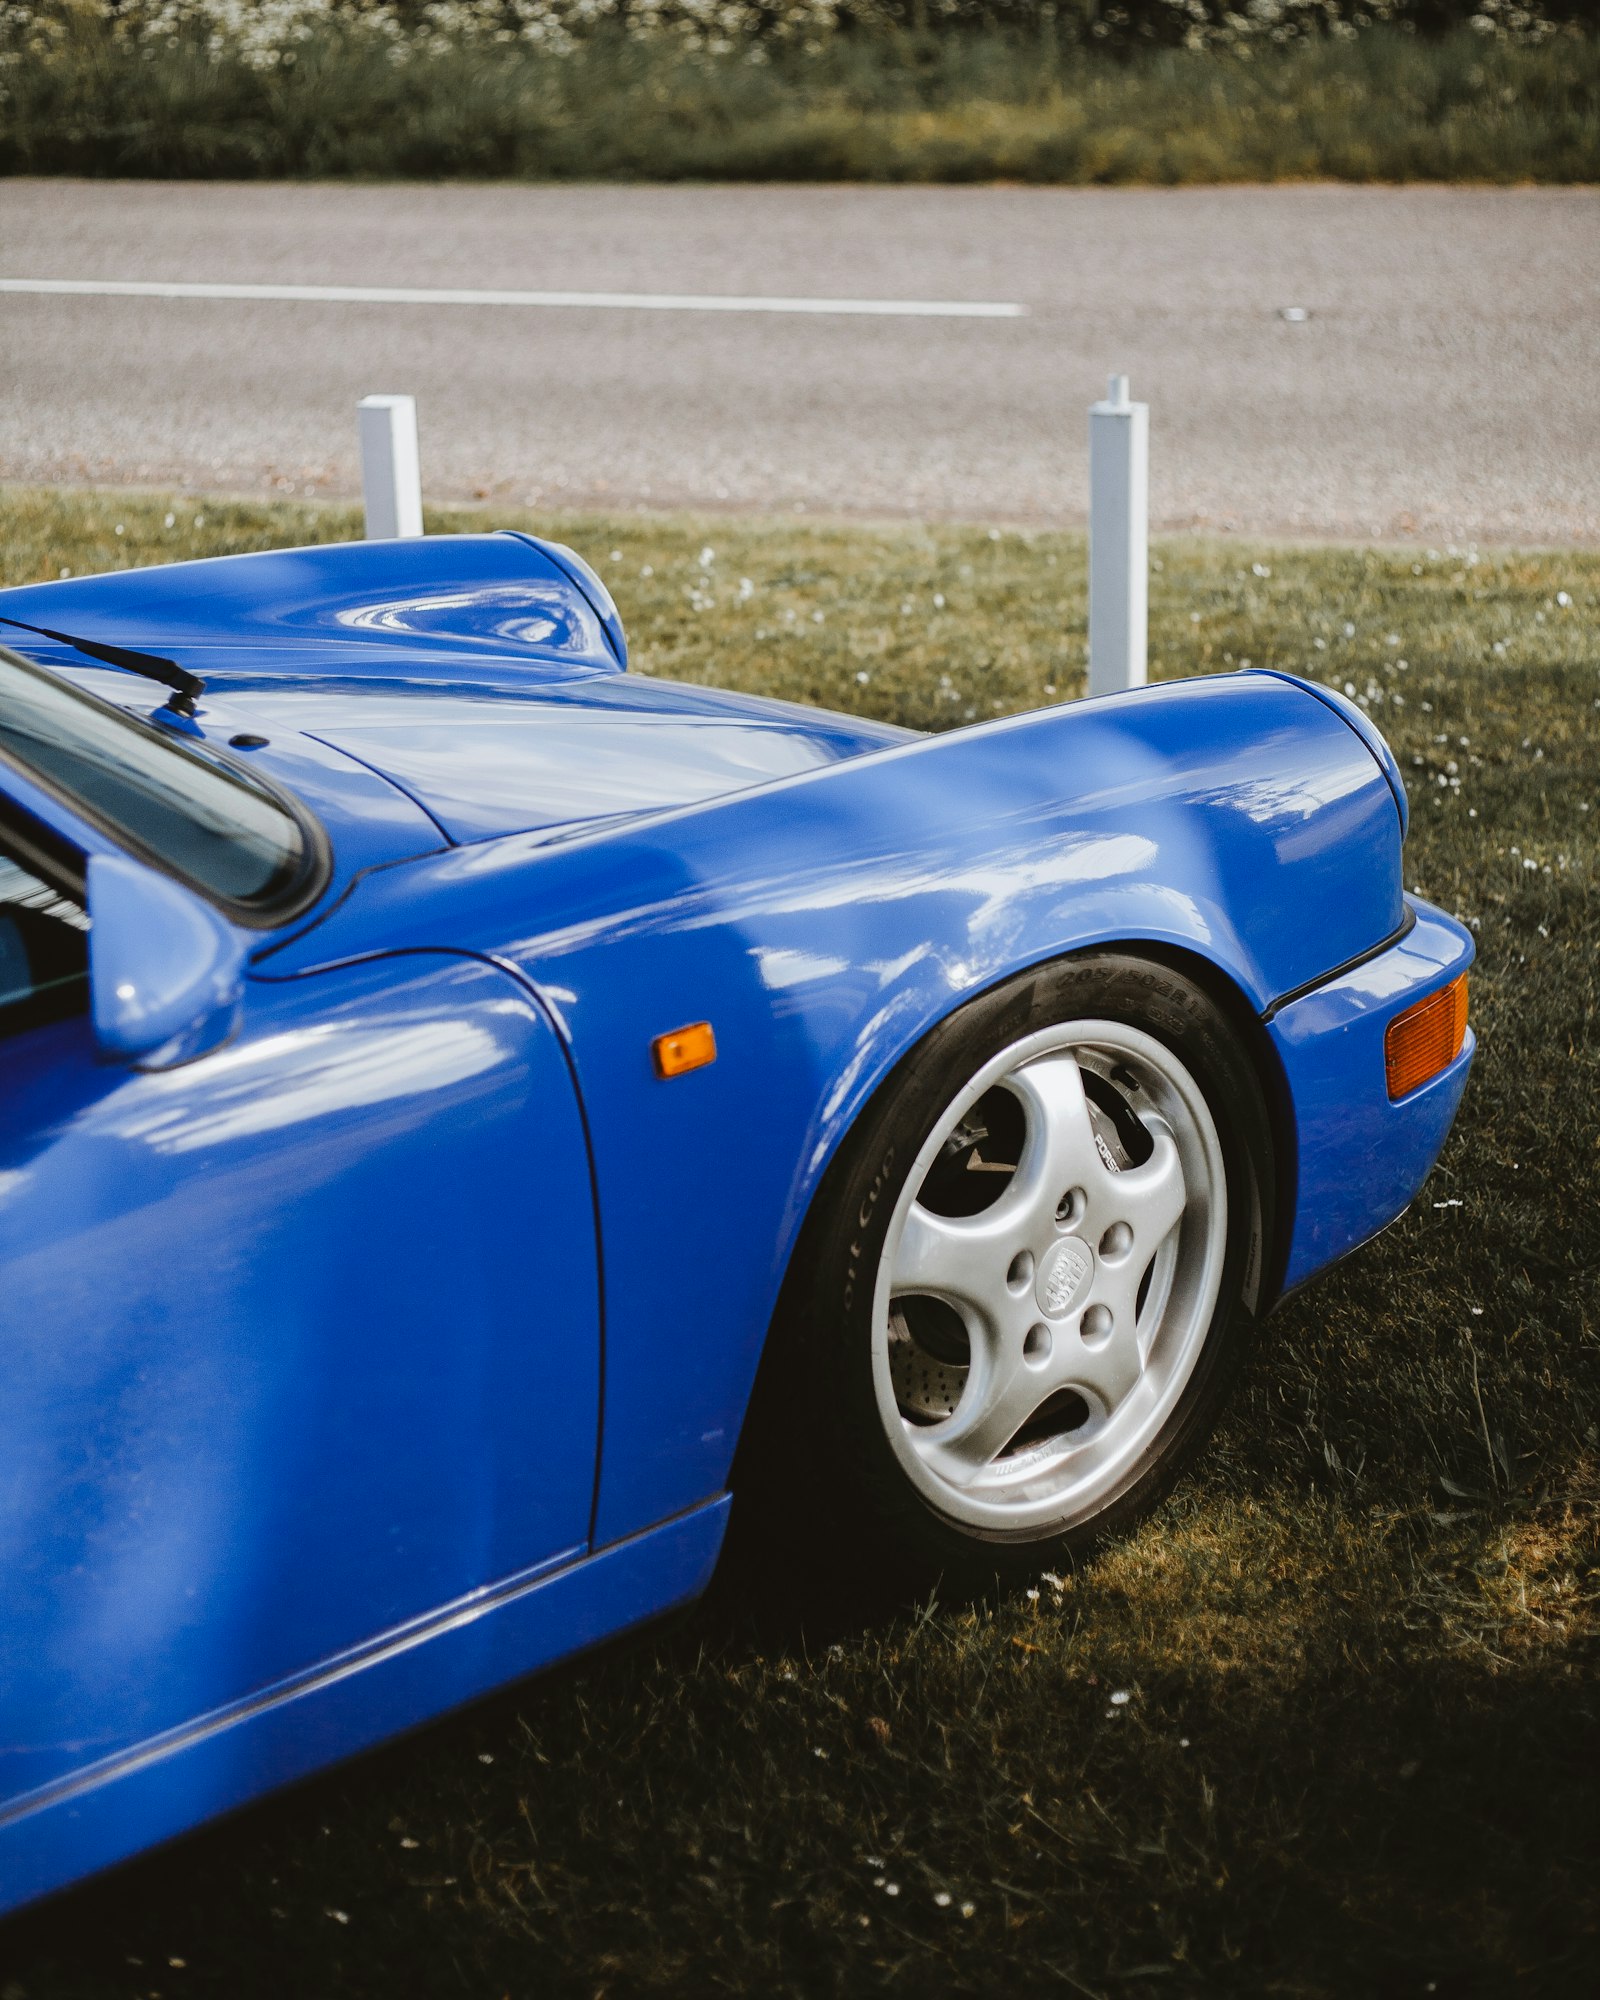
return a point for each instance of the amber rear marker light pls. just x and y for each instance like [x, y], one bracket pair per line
[685, 1048]
[1426, 1038]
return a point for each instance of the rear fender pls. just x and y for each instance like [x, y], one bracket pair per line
[492, 608]
[823, 925]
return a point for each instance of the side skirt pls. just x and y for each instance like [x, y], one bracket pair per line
[160, 1789]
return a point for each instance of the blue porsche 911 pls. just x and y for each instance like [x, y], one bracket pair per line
[455, 1092]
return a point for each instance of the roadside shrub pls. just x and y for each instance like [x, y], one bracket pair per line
[1064, 91]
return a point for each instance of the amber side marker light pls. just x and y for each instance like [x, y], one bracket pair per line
[1426, 1038]
[685, 1048]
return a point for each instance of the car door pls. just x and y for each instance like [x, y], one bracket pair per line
[298, 1339]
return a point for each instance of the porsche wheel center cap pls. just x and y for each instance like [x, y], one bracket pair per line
[1064, 1274]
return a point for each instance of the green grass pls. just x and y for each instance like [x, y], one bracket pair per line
[872, 106]
[1359, 1645]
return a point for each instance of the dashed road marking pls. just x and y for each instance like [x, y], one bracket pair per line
[423, 295]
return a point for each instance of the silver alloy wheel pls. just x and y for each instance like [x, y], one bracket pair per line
[1027, 1356]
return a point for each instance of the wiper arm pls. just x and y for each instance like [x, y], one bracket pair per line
[186, 688]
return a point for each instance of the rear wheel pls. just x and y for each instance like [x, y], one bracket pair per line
[1025, 1291]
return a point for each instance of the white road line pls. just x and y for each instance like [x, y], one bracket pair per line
[417, 295]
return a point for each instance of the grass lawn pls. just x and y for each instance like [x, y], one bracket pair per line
[1330, 1723]
[960, 103]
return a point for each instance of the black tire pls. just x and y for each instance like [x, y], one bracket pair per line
[817, 1441]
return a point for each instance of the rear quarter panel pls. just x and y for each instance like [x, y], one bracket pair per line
[823, 926]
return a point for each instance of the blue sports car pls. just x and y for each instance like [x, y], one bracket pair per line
[453, 1090]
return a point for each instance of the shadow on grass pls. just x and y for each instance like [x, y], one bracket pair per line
[1272, 1745]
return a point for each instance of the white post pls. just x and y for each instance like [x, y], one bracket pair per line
[391, 473]
[1119, 540]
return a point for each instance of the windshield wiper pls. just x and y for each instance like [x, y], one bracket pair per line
[186, 688]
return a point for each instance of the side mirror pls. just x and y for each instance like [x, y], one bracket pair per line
[165, 970]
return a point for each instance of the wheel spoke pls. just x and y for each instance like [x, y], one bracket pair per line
[1060, 1152]
[1110, 1368]
[947, 1258]
[1151, 1198]
[1001, 1396]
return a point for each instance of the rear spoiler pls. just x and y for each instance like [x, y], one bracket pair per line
[504, 603]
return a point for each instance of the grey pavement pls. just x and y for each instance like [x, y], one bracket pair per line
[1444, 385]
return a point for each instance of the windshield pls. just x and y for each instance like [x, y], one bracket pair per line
[189, 812]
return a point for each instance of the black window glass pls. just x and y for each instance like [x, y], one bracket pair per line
[44, 951]
[194, 814]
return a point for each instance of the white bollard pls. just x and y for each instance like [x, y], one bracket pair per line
[391, 472]
[1119, 540]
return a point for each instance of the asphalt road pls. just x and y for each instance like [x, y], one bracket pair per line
[1444, 384]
